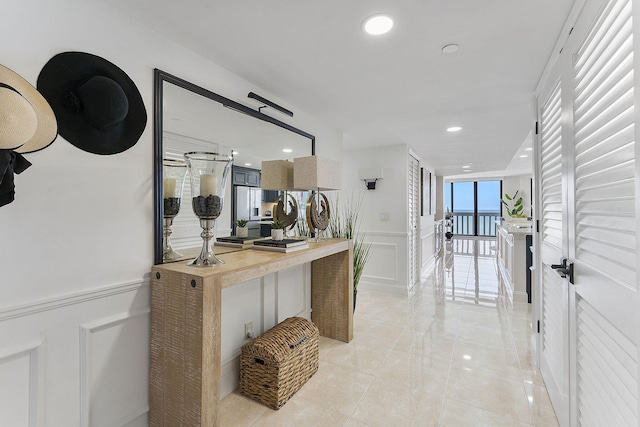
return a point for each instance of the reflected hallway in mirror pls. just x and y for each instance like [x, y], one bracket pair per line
[188, 117]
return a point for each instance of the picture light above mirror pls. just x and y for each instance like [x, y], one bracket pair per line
[268, 103]
[192, 118]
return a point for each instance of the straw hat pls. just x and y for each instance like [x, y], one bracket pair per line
[27, 122]
[98, 107]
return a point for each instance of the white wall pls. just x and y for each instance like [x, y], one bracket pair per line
[427, 221]
[384, 215]
[439, 198]
[77, 244]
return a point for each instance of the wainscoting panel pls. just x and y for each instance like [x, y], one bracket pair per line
[114, 354]
[265, 301]
[427, 247]
[388, 267]
[269, 302]
[294, 286]
[77, 359]
[383, 265]
[83, 359]
[240, 304]
[20, 372]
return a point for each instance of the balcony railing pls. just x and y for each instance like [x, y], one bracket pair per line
[464, 223]
[484, 247]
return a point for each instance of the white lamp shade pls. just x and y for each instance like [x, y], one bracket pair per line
[314, 172]
[276, 175]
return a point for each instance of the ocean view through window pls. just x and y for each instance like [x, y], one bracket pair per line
[475, 206]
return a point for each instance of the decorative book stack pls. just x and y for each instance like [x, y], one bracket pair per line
[237, 242]
[285, 245]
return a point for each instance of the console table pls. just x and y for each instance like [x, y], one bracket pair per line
[186, 322]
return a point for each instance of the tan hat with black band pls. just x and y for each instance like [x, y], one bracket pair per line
[27, 122]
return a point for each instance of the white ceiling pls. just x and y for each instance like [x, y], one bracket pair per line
[398, 88]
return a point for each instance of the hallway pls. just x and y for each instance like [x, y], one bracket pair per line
[452, 353]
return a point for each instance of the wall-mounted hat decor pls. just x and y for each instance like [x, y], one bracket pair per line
[10, 163]
[17, 116]
[27, 124]
[98, 107]
[18, 119]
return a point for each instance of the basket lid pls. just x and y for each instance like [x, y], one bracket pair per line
[277, 343]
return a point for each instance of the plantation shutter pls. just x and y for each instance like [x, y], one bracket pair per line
[414, 214]
[604, 146]
[551, 170]
[554, 311]
[605, 221]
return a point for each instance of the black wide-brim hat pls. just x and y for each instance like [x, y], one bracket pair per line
[98, 107]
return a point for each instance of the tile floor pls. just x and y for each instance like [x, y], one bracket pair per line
[451, 353]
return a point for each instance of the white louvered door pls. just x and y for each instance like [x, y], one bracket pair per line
[554, 311]
[589, 358]
[414, 215]
[602, 302]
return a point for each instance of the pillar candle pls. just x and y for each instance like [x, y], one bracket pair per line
[169, 187]
[208, 185]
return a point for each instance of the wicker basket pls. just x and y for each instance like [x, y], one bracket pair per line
[277, 364]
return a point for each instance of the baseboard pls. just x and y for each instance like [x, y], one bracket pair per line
[379, 287]
[520, 297]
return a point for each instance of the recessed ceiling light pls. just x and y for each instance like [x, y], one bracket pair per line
[466, 167]
[287, 150]
[235, 153]
[454, 129]
[247, 164]
[528, 149]
[450, 48]
[523, 156]
[378, 24]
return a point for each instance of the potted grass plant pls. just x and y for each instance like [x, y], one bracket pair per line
[345, 224]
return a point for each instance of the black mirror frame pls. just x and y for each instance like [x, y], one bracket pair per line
[159, 77]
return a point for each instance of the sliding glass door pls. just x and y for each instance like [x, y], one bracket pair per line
[475, 206]
[464, 202]
[488, 206]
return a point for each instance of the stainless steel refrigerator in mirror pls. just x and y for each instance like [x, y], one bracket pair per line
[248, 200]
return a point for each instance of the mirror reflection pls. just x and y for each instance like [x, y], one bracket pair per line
[194, 119]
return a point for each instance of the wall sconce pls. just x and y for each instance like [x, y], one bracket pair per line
[370, 176]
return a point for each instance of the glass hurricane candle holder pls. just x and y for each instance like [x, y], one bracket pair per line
[173, 173]
[208, 176]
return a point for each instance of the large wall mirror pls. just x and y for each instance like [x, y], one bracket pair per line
[187, 118]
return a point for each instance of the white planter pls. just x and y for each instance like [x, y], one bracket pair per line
[277, 234]
[242, 231]
[517, 220]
